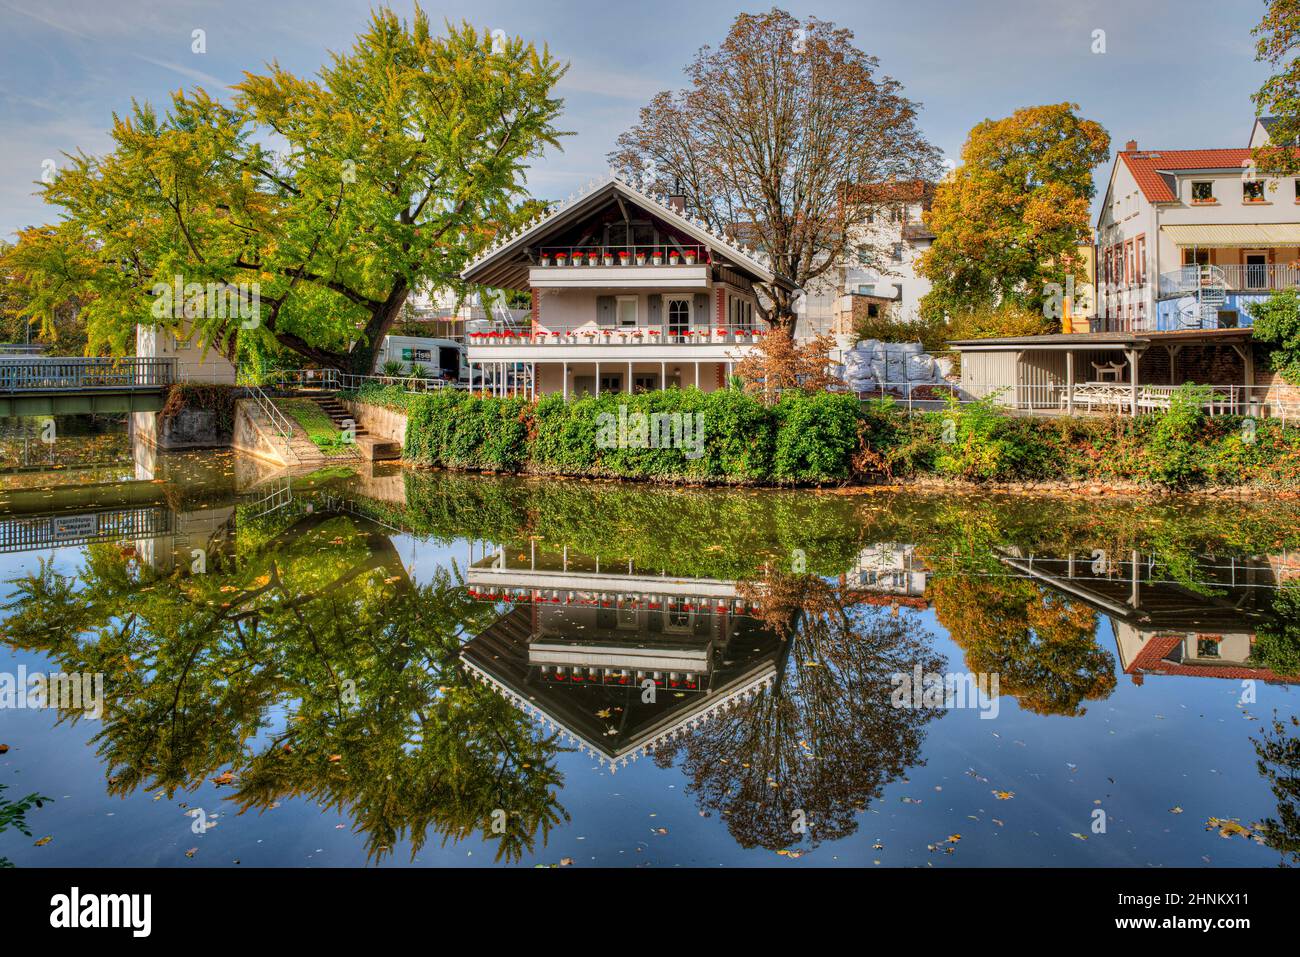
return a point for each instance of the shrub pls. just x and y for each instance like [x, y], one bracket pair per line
[1277, 328]
[1173, 455]
[816, 436]
[971, 444]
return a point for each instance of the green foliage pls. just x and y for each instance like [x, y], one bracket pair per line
[972, 444]
[395, 165]
[1277, 643]
[723, 436]
[14, 814]
[392, 367]
[1175, 461]
[1277, 328]
[816, 436]
[931, 331]
[318, 426]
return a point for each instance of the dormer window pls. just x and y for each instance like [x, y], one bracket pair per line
[1252, 191]
[1202, 191]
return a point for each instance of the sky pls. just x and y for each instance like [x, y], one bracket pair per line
[1174, 75]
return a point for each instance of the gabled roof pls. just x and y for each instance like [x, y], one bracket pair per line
[1152, 169]
[505, 263]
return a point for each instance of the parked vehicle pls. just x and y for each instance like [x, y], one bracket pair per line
[438, 358]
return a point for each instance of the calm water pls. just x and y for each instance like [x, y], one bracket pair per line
[403, 668]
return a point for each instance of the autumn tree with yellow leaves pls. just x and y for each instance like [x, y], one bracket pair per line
[332, 197]
[1010, 218]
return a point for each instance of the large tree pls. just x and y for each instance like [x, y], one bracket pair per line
[1009, 220]
[1276, 38]
[779, 125]
[334, 195]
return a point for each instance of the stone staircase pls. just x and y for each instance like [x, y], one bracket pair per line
[370, 448]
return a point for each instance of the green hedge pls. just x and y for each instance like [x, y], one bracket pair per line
[708, 437]
[832, 438]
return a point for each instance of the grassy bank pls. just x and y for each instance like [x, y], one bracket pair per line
[827, 438]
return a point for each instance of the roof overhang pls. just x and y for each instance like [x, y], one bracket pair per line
[1244, 235]
[506, 264]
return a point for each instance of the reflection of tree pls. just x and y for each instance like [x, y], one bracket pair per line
[318, 620]
[1279, 761]
[824, 739]
[1277, 642]
[1039, 643]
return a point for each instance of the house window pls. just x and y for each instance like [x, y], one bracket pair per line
[1252, 191]
[1207, 648]
[627, 310]
[1141, 259]
[897, 253]
[1130, 264]
[1196, 257]
[864, 256]
[1297, 190]
[1203, 192]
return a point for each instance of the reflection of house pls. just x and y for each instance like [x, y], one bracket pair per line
[629, 293]
[1203, 628]
[582, 648]
[889, 569]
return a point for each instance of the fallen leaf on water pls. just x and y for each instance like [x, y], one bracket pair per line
[227, 778]
[1078, 835]
[43, 841]
[1175, 810]
[191, 852]
[1004, 795]
[566, 861]
[4, 749]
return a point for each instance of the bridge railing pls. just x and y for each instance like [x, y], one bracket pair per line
[27, 374]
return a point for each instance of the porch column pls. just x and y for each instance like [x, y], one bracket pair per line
[564, 377]
[628, 384]
[1069, 383]
[663, 374]
[471, 377]
[697, 375]
[598, 379]
[1133, 381]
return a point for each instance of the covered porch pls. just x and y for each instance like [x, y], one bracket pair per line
[1129, 373]
[573, 378]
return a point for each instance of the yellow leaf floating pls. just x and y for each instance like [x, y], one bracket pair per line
[1004, 795]
[43, 841]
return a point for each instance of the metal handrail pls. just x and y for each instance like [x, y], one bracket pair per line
[659, 334]
[27, 374]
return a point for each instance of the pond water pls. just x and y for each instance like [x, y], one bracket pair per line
[383, 666]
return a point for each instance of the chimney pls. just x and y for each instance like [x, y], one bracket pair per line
[1131, 146]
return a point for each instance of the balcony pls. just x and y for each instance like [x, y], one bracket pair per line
[596, 267]
[621, 336]
[1189, 280]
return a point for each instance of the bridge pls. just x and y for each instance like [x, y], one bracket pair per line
[41, 385]
[24, 533]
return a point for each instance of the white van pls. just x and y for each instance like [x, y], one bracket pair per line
[441, 358]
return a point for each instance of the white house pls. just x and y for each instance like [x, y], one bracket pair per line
[628, 293]
[877, 276]
[1187, 238]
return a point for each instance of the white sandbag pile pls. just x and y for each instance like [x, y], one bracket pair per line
[896, 365]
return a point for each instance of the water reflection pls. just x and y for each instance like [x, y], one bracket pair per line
[264, 633]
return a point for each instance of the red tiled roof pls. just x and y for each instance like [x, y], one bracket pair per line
[1147, 165]
[1154, 659]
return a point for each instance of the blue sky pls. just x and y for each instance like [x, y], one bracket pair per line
[1174, 74]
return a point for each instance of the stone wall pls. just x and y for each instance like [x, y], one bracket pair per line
[380, 422]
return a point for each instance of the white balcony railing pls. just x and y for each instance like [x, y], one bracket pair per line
[1188, 280]
[587, 257]
[622, 336]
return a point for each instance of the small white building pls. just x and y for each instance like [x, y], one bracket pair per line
[628, 294]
